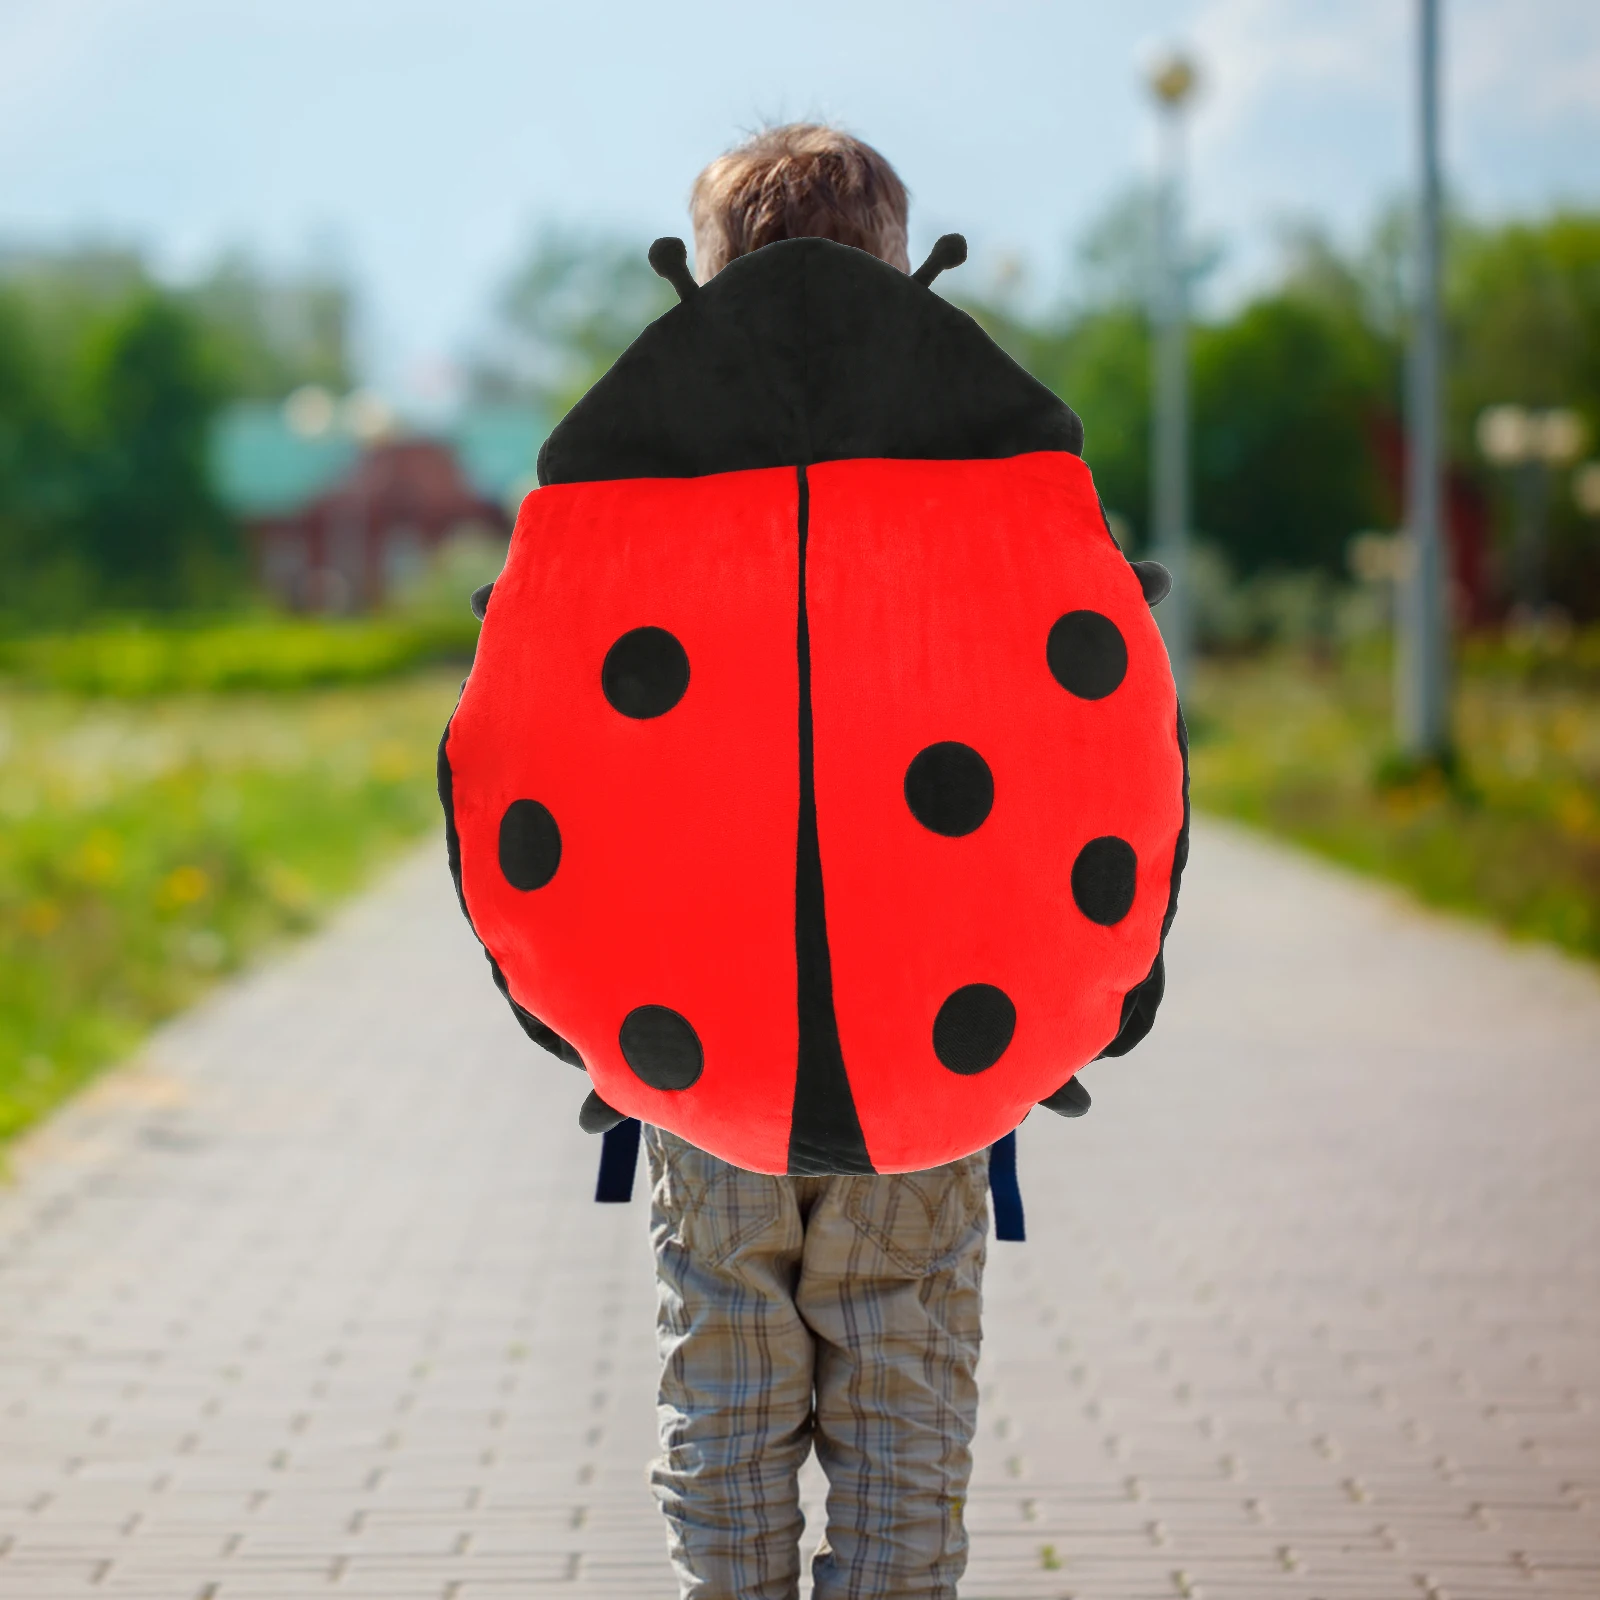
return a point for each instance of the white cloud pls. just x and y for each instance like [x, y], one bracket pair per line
[1536, 59]
[1255, 51]
[46, 52]
[1309, 104]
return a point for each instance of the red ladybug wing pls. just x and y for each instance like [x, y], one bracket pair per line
[932, 590]
[675, 883]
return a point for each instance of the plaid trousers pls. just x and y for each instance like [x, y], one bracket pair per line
[835, 1314]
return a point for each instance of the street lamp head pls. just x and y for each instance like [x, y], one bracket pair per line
[1511, 436]
[367, 416]
[1586, 488]
[1173, 79]
[1561, 436]
[309, 411]
[1505, 435]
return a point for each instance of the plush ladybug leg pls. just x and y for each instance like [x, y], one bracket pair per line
[1070, 1100]
[1154, 579]
[595, 1116]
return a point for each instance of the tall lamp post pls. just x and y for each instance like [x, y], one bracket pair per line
[1172, 82]
[1422, 661]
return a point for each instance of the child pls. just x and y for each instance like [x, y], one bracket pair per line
[839, 1314]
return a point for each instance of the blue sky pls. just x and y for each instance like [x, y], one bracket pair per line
[418, 142]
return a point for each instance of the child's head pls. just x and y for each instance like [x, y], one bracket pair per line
[800, 181]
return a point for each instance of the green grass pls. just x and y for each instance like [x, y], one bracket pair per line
[148, 847]
[1298, 750]
[129, 660]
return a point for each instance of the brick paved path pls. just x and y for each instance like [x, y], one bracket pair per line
[313, 1301]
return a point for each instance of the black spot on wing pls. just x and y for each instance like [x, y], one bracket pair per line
[530, 845]
[661, 1047]
[949, 788]
[973, 1028]
[1086, 654]
[645, 673]
[1104, 878]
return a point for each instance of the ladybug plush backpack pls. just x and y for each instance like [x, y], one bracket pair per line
[820, 786]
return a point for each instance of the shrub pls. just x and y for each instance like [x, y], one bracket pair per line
[130, 661]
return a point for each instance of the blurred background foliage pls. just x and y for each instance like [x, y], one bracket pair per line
[1296, 742]
[134, 660]
[187, 773]
[1298, 391]
[109, 384]
[574, 305]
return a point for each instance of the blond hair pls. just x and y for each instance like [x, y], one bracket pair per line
[798, 181]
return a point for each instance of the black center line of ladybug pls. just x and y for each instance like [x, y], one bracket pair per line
[825, 1132]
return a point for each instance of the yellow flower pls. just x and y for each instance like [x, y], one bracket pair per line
[288, 888]
[41, 918]
[1576, 813]
[98, 857]
[183, 886]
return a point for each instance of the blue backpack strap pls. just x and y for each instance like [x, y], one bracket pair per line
[1004, 1190]
[619, 1156]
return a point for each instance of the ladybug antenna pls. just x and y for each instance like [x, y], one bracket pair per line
[669, 260]
[950, 250]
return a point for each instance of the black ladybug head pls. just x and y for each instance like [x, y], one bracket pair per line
[804, 351]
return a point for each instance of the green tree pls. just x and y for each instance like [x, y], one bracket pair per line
[568, 312]
[108, 385]
[1524, 320]
[1524, 304]
[1105, 377]
[1284, 398]
[150, 527]
[268, 335]
[37, 481]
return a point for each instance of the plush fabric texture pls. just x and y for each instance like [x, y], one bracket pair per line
[801, 352]
[820, 784]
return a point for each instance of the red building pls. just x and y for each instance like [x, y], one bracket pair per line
[373, 530]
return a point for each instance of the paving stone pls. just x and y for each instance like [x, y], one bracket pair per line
[311, 1299]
